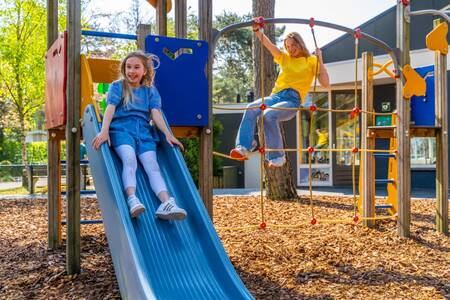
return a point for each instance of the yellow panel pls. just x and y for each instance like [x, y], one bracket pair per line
[168, 5]
[415, 85]
[87, 90]
[104, 70]
[436, 40]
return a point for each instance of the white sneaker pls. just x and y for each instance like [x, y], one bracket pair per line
[135, 206]
[277, 162]
[170, 211]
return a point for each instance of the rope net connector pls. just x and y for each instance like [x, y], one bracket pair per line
[355, 111]
[313, 221]
[262, 150]
[405, 2]
[355, 218]
[262, 106]
[311, 149]
[357, 34]
[259, 23]
[313, 108]
[355, 150]
[397, 73]
[262, 225]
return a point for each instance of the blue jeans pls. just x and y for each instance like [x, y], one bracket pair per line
[287, 98]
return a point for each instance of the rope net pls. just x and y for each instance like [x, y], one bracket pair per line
[312, 109]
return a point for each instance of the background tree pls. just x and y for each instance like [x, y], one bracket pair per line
[279, 181]
[22, 49]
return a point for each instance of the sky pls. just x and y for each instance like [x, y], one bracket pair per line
[349, 13]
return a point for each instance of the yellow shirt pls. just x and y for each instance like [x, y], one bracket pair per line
[322, 138]
[296, 73]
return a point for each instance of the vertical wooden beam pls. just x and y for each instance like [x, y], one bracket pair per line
[181, 18]
[142, 31]
[206, 137]
[441, 116]
[161, 17]
[73, 136]
[52, 22]
[53, 149]
[367, 187]
[54, 189]
[403, 120]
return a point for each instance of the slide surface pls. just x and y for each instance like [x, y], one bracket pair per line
[156, 259]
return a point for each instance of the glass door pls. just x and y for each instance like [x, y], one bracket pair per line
[344, 133]
[315, 132]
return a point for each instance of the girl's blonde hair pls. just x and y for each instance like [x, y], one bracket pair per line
[147, 79]
[300, 43]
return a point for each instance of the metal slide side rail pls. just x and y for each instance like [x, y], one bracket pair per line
[390, 51]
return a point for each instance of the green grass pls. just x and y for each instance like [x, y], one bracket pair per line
[23, 191]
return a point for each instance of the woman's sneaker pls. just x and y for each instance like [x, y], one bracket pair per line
[239, 153]
[135, 206]
[169, 210]
[277, 162]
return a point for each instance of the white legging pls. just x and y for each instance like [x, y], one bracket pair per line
[151, 167]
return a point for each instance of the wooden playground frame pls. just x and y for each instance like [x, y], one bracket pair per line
[71, 131]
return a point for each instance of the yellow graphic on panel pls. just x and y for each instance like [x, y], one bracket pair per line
[415, 85]
[436, 40]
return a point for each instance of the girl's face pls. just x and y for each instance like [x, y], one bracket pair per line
[134, 71]
[292, 47]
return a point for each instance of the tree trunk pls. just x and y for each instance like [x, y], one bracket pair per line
[279, 181]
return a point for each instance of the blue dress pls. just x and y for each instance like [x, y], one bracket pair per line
[130, 124]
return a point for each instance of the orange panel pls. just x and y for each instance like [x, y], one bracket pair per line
[55, 83]
[104, 70]
[154, 2]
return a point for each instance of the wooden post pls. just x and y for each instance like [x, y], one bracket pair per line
[440, 85]
[367, 187]
[161, 17]
[142, 31]
[53, 149]
[180, 18]
[73, 136]
[206, 136]
[403, 130]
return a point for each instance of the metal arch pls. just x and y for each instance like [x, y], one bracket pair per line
[350, 31]
[441, 13]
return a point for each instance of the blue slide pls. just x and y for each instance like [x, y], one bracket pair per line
[156, 259]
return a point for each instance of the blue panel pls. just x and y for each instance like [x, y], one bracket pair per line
[422, 108]
[155, 259]
[181, 79]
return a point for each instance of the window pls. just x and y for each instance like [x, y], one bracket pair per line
[423, 152]
[345, 127]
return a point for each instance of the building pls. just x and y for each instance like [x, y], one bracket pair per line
[335, 170]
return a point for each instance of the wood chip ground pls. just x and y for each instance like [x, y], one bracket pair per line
[324, 261]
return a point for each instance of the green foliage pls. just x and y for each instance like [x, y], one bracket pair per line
[192, 150]
[9, 147]
[37, 152]
[233, 71]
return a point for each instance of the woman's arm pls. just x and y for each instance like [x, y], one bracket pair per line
[324, 79]
[103, 135]
[159, 121]
[268, 43]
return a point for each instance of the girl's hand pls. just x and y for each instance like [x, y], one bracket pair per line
[318, 52]
[174, 141]
[100, 139]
